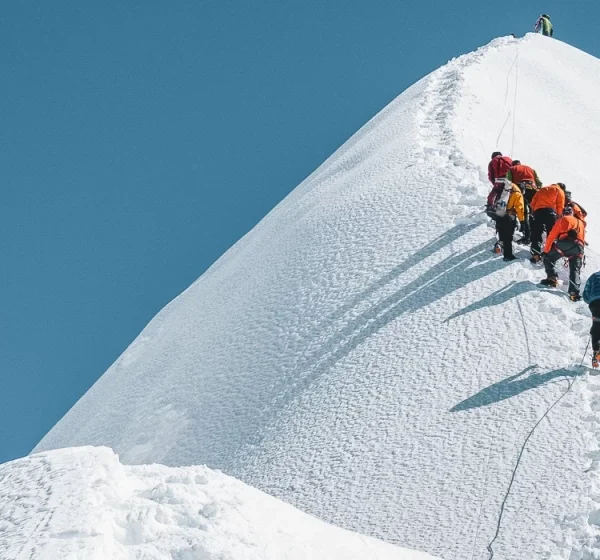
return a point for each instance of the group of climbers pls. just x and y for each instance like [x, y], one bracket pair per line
[518, 201]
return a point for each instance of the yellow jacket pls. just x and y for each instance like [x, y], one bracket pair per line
[516, 205]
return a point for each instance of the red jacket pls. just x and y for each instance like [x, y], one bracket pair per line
[521, 173]
[498, 168]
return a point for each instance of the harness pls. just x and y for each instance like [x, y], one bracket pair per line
[577, 243]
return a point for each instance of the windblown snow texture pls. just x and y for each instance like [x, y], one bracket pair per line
[363, 355]
[84, 504]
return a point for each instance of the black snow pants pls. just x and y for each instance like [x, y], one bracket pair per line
[506, 229]
[526, 226]
[595, 330]
[543, 219]
[572, 251]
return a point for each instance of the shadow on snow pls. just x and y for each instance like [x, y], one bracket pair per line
[512, 386]
[452, 273]
[511, 290]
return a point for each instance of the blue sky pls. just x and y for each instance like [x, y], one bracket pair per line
[140, 140]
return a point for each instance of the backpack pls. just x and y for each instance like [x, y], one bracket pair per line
[502, 200]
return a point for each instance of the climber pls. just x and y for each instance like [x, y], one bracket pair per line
[547, 205]
[591, 296]
[529, 183]
[497, 170]
[508, 218]
[544, 26]
[566, 239]
[578, 210]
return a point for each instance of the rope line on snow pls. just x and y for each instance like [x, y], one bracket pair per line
[483, 493]
[531, 432]
[512, 148]
[489, 453]
[515, 60]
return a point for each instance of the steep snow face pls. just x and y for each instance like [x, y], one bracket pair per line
[363, 355]
[82, 503]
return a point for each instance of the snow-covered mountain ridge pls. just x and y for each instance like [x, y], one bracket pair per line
[84, 504]
[362, 354]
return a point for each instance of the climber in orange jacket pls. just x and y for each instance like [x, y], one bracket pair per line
[566, 239]
[547, 205]
[578, 210]
[509, 221]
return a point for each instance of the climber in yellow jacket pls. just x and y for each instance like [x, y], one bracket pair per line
[511, 219]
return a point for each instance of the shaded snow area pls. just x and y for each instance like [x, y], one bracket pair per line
[82, 503]
[363, 355]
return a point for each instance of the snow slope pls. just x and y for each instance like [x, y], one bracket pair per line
[82, 503]
[362, 354]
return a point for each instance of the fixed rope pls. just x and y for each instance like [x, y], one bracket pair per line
[514, 112]
[531, 432]
[515, 61]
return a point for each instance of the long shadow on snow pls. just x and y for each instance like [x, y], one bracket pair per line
[512, 386]
[453, 273]
[511, 290]
[419, 256]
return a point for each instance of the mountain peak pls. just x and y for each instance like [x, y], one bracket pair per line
[361, 353]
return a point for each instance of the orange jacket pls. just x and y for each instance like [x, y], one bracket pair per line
[561, 229]
[516, 204]
[551, 196]
[578, 211]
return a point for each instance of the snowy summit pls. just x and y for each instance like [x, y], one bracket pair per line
[363, 355]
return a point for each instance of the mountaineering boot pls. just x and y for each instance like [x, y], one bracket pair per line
[536, 258]
[510, 258]
[551, 282]
[596, 359]
[498, 247]
[574, 296]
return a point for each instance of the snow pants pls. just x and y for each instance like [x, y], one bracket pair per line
[506, 226]
[595, 330]
[543, 220]
[572, 251]
[526, 228]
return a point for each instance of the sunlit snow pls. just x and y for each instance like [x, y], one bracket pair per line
[363, 355]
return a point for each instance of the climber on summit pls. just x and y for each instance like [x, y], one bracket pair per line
[508, 218]
[544, 26]
[591, 296]
[529, 183]
[547, 205]
[566, 239]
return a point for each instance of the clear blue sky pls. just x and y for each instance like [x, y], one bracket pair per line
[140, 140]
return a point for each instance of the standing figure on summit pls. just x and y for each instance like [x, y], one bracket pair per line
[548, 204]
[544, 26]
[529, 183]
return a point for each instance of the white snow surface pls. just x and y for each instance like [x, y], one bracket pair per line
[363, 355]
[82, 503]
